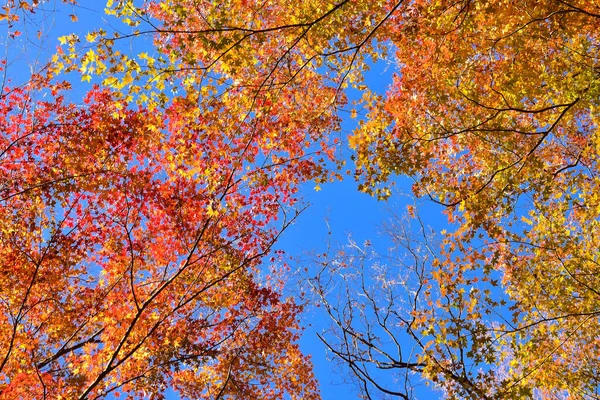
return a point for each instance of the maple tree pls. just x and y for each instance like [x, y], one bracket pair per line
[170, 193]
[136, 223]
[133, 240]
[495, 117]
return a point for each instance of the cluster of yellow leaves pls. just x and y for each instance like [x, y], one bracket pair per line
[494, 112]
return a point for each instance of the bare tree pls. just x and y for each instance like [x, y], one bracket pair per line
[399, 331]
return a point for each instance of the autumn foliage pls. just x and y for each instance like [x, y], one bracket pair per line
[495, 116]
[138, 220]
[133, 241]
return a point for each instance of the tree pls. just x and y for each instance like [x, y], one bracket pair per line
[135, 222]
[496, 118]
[133, 240]
[494, 114]
[233, 116]
[411, 318]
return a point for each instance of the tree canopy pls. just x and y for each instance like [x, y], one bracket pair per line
[138, 219]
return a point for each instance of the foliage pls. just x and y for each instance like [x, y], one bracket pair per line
[133, 238]
[135, 223]
[496, 118]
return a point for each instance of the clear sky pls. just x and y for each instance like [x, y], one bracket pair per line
[348, 213]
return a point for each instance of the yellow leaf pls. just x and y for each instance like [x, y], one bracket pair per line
[91, 37]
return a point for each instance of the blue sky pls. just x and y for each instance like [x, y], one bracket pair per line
[348, 214]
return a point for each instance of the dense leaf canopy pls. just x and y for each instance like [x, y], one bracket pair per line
[137, 222]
